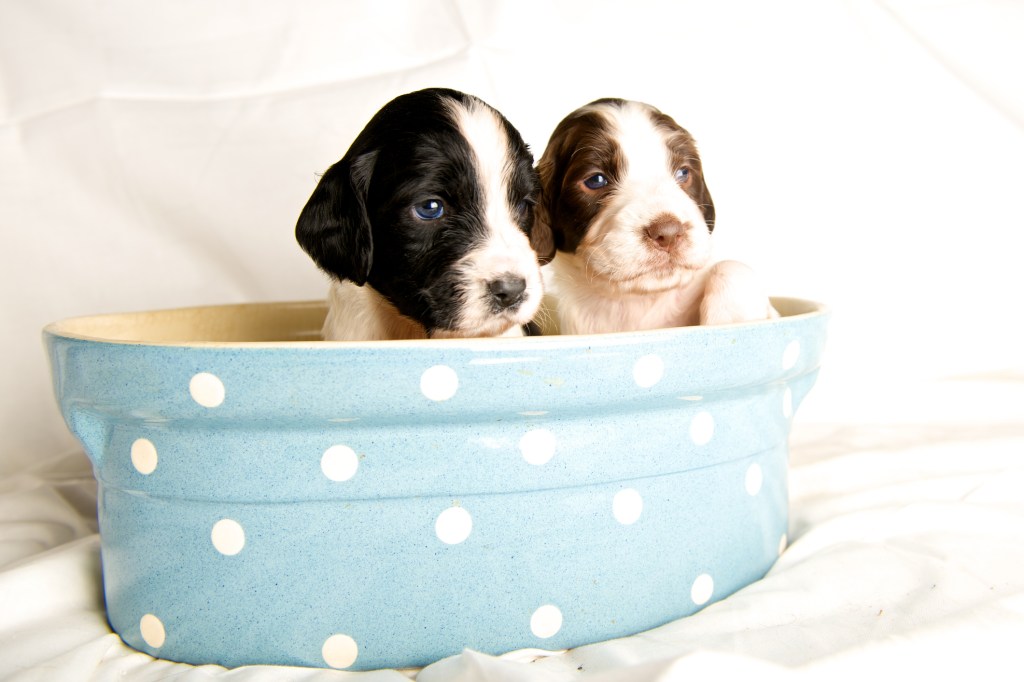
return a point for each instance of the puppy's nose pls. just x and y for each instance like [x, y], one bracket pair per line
[507, 290]
[665, 232]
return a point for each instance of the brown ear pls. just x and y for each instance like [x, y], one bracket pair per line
[707, 206]
[541, 238]
[546, 239]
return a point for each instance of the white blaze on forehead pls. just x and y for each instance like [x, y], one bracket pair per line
[506, 248]
[486, 137]
[643, 147]
[648, 187]
[489, 143]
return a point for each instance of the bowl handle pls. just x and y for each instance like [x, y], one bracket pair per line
[91, 431]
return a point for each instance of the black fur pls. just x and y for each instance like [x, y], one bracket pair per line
[359, 223]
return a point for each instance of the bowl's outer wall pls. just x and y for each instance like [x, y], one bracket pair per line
[693, 423]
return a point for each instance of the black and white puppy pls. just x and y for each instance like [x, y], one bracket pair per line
[623, 192]
[425, 224]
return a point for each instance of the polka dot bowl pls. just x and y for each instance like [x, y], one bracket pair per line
[269, 498]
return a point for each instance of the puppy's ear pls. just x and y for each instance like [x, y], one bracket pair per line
[703, 198]
[541, 238]
[333, 227]
[546, 237]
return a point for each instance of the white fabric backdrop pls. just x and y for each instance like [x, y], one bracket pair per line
[867, 154]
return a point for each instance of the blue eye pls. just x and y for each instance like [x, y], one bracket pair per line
[595, 181]
[682, 175]
[432, 209]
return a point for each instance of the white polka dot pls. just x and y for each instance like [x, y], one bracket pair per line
[206, 389]
[546, 621]
[787, 403]
[144, 457]
[537, 446]
[702, 428]
[791, 355]
[440, 382]
[152, 630]
[453, 525]
[339, 463]
[783, 543]
[340, 651]
[228, 537]
[648, 370]
[755, 477]
[627, 506]
[703, 588]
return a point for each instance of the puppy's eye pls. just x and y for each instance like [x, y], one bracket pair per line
[682, 175]
[595, 181]
[432, 209]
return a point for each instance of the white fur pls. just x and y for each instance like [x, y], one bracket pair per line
[359, 313]
[722, 293]
[618, 281]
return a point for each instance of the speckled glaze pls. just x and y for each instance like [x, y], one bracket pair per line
[269, 499]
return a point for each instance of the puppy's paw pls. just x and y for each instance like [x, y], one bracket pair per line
[734, 293]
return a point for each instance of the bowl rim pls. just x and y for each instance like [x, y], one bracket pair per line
[79, 328]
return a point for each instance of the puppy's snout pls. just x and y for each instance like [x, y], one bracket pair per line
[507, 290]
[665, 232]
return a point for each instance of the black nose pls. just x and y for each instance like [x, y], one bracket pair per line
[507, 290]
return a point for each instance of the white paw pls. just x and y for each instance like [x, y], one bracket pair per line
[734, 293]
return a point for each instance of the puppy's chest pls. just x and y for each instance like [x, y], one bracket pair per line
[594, 312]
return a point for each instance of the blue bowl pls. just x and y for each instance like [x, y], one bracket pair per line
[266, 498]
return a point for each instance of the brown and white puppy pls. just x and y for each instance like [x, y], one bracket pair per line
[425, 224]
[624, 195]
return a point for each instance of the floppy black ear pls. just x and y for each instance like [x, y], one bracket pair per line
[333, 227]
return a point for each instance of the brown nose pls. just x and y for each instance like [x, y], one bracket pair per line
[665, 232]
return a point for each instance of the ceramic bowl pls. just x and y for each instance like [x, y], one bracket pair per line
[266, 498]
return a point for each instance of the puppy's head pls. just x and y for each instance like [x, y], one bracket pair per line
[432, 206]
[622, 188]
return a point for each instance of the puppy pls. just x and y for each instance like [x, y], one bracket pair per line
[624, 196]
[425, 224]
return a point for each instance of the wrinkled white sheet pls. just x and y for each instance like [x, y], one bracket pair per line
[865, 154]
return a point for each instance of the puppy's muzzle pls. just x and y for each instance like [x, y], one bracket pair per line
[507, 291]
